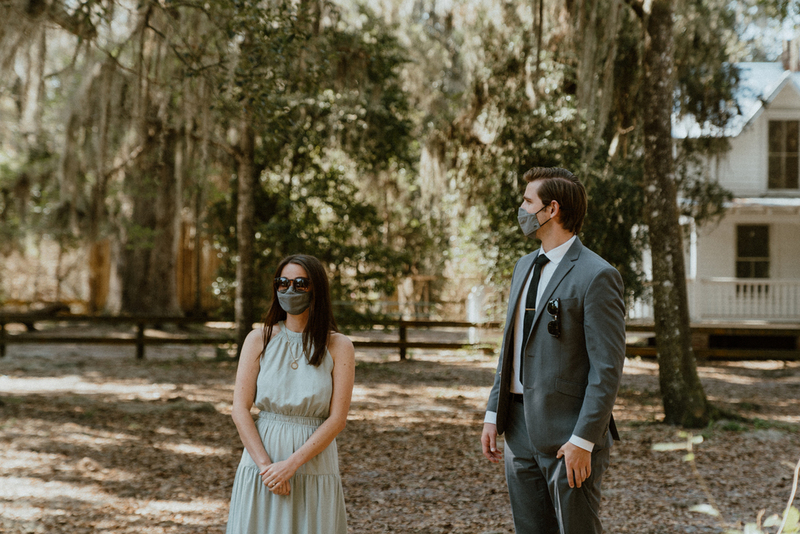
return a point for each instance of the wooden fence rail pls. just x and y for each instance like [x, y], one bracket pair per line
[140, 339]
[226, 335]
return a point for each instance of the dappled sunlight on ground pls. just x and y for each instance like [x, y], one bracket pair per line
[80, 385]
[638, 366]
[94, 441]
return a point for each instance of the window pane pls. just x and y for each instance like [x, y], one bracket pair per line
[743, 269]
[791, 172]
[775, 172]
[761, 269]
[791, 137]
[752, 241]
[776, 137]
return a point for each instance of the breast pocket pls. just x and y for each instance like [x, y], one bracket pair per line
[572, 342]
[571, 310]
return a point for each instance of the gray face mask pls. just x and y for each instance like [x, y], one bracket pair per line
[529, 223]
[294, 302]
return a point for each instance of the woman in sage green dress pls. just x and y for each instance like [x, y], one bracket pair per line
[299, 372]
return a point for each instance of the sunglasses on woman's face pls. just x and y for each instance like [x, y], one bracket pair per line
[300, 284]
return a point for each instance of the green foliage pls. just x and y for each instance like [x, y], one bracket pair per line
[546, 130]
[140, 237]
[762, 424]
[511, 121]
[732, 426]
[612, 227]
[316, 213]
[333, 149]
[706, 81]
[705, 77]
[366, 64]
[341, 107]
[702, 199]
[29, 198]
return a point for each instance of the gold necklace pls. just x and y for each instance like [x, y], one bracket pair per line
[293, 365]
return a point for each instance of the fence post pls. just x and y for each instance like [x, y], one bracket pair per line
[140, 341]
[402, 340]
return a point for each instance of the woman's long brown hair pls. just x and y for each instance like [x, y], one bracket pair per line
[320, 314]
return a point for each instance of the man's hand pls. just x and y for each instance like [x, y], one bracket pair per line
[489, 443]
[577, 461]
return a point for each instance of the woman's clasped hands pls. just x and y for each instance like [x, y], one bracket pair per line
[276, 477]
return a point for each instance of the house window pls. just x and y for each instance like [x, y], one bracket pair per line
[784, 141]
[752, 251]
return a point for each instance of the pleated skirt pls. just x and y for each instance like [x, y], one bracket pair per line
[316, 502]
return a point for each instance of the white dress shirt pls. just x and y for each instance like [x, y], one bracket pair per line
[555, 256]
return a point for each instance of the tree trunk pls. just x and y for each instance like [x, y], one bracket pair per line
[245, 229]
[164, 256]
[69, 168]
[138, 230]
[149, 257]
[683, 396]
[98, 286]
[30, 123]
[597, 26]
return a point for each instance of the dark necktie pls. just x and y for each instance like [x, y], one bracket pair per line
[530, 299]
[530, 306]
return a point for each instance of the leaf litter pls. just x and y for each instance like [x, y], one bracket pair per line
[92, 440]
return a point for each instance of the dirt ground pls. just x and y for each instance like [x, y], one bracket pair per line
[92, 440]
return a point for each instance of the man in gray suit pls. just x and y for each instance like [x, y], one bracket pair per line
[560, 366]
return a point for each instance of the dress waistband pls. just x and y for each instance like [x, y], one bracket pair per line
[296, 419]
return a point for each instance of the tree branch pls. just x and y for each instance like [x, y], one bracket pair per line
[79, 26]
[228, 149]
[135, 153]
[637, 7]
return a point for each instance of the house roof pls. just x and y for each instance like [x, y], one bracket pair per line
[759, 84]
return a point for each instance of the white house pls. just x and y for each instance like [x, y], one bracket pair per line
[747, 267]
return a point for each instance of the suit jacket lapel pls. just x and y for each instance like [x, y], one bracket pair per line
[518, 284]
[565, 266]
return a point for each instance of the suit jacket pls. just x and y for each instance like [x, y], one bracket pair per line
[571, 381]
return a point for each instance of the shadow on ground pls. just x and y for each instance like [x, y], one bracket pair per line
[94, 444]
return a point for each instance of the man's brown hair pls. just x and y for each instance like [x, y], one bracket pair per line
[562, 186]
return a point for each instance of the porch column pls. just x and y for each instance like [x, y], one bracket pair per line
[692, 287]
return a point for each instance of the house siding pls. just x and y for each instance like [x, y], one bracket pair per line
[715, 294]
[743, 170]
[716, 244]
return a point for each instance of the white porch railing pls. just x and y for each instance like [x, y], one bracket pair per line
[734, 299]
[746, 298]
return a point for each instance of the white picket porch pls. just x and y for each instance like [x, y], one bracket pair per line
[734, 299]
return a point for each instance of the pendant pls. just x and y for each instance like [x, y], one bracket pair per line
[293, 365]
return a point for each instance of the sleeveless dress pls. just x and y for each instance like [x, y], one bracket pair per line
[293, 403]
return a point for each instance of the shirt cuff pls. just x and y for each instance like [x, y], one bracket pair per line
[491, 418]
[579, 442]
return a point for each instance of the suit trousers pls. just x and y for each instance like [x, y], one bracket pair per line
[541, 500]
